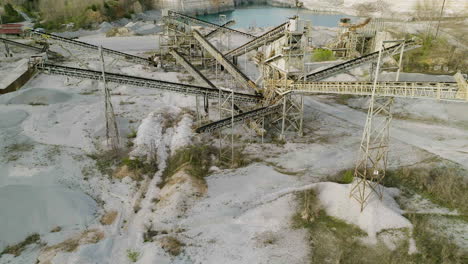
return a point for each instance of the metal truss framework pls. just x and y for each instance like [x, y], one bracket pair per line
[112, 132]
[371, 165]
[292, 114]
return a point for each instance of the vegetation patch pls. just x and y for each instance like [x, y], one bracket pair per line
[10, 15]
[436, 56]
[443, 185]
[17, 249]
[91, 236]
[343, 98]
[107, 160]
[132, 134]
[13, 152]
[323, 55]
[171, 245]
[133, 255]
[140, 166]
[334, 241]
[195, 159]
[108, 218]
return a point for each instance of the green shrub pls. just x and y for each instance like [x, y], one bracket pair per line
[348, 177]
[132, 134]
[323, 55]
[133, 255]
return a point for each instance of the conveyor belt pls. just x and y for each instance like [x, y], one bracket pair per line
[216, 31]
[147, 83]
[26, 46]
[266, 38]
[191, 69]
[238, 75]
[264, 111]
[87, 46]
[345, 66]
[191, 20]
[447, 91]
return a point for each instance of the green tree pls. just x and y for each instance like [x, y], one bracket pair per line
[10, 14]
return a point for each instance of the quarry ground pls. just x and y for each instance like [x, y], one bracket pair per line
[51, 181]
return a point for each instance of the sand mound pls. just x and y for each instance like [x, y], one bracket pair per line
[40, 96]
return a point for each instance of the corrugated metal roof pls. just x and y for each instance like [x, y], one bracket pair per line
[11, 26]
[11, 31]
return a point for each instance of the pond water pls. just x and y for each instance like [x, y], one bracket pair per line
[267, 16]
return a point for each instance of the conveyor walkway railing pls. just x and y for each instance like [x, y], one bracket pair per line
[446, 91]
[260, 112]
[86, 46]
[216, 31]
[191, 20]
[238, 75]
[266, 38]
[348, 65]
[148, 83]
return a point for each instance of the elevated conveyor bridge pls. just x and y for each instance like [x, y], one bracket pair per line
[264, 39]
[44, 48]
[189, 20]
[148, 83]
[260, 112]
[446, 91]
[219, 30]
[348, 65]
[86, 47]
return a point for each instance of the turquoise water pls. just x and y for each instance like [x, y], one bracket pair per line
[267, 16]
